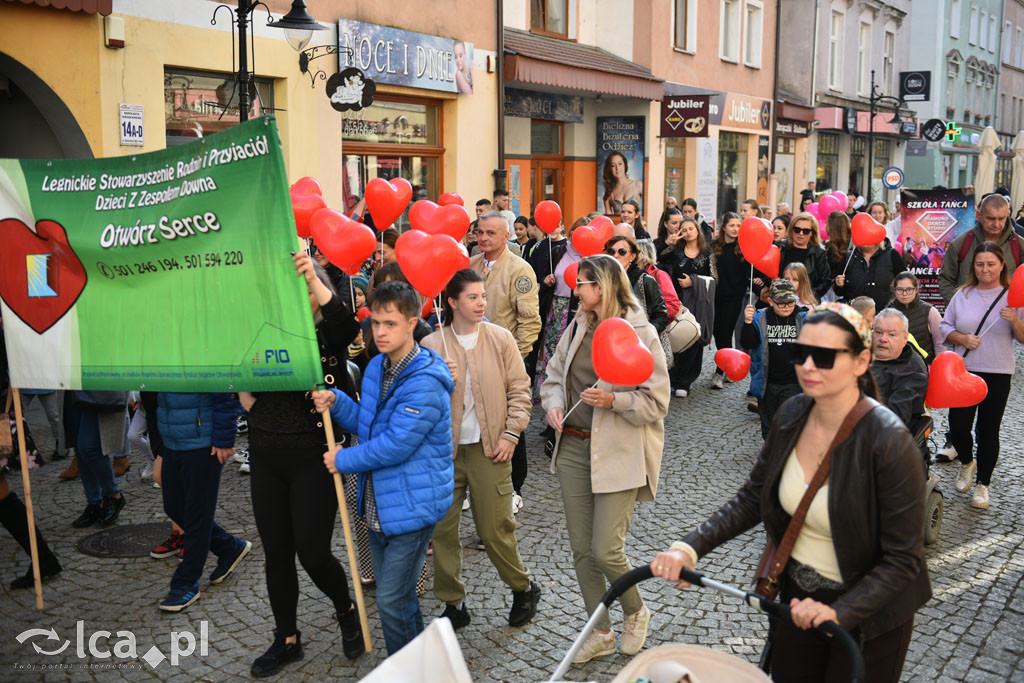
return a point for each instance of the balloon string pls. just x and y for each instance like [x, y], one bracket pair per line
[850, 258]
[990, 326]
[551, 262]
[444, 341]
[352, 293]
[751, 285]
[592, 386]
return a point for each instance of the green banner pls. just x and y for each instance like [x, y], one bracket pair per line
[168, 271]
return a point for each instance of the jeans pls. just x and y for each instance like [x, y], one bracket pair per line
[397, 561]
[52, 403]
[191, 481]
[94, 466]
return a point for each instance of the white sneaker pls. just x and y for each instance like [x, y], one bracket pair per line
[597, 645]
[156, 485]
[147, 471]
[965, 479]
[946, 455]
[716, 382]
[240, 455]
[682, 393]
[465, 502]
[980, 499]
[634, 631]
[517, 503]
[244, 467]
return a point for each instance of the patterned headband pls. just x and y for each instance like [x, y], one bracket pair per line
[850, 315]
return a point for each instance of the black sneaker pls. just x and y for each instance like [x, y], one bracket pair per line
[226, 565]
[92, 514]
[112, 508]
[45, 573]
[279, 654]
[351, 634]
[458, 617]
[243, 424]
[524, 605]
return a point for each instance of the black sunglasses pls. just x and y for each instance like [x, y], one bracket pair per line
[803, 231]
[824, 357]
[620, 251]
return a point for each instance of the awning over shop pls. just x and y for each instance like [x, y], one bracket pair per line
[104, 7]
[531, 58]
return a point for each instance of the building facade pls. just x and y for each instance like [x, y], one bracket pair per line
[1009, 115]
[964, 74]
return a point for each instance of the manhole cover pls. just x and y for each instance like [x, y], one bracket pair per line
[132, 540]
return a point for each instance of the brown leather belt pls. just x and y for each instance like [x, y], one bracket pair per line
[578, 433]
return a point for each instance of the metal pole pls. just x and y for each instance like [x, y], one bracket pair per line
[499, 10]
[871, 139]
[242, 76]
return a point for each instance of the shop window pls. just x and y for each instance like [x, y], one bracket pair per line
[732, 171]
[200, 103]
[880, 159]
[858, 156]
[546, 138]
[549, 16]
[393, 139]
[675, 170]
[828, 162]
[785, 145]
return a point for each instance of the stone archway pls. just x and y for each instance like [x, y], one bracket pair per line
[37, 123]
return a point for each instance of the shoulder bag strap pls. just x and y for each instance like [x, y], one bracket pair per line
[985, 317]
[785, 548]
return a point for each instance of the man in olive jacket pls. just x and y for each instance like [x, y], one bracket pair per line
[993, 224]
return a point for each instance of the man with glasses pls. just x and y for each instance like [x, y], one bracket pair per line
[899, 370]
[992, 224]
[774, 331]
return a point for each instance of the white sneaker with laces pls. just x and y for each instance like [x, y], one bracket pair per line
[244, 467]
[517, 503]
[465, 502]
[597, 645]
[682, 393]
[980, 499]
[965, 479]
[147, 471]
[946, 455]
[634, 631]
[716, 382]
[240, 455]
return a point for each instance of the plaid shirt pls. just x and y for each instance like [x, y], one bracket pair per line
[391, 373]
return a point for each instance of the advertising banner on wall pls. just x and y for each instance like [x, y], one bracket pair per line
[707, 179]
[620, 162]
[930, 220]
[167, 271]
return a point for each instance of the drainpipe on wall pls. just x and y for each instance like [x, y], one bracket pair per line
[773, 181]
[500, 173]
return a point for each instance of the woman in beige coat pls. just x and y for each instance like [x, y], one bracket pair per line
[608, 449]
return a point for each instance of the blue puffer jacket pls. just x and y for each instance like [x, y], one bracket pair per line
[191, 421]
[405, 439]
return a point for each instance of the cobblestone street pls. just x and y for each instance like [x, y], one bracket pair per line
[970, 631]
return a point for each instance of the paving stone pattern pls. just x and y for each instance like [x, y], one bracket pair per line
[970, 631]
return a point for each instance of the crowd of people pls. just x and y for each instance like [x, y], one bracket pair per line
[433, 419]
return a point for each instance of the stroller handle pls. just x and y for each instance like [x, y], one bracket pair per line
[778, 609]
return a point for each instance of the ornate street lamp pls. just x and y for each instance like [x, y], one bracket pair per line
[876, 98]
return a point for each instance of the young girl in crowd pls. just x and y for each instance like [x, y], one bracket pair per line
[796, 273]
[924, 319]
[632, 215]
[733, 281]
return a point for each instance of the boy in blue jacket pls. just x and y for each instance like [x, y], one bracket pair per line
[403, 457]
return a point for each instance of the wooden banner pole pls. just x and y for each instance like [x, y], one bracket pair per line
[27, 484]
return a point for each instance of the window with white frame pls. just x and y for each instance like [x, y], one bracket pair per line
[972, 31]
[835, 51]
[1020, 50]
[951, 87]
[983, 30]
[729, 40]
[888, 55]
[954, 19]
[1007, 42]
[753, 29]
[863, 58]
[686, 25]
[993, 33]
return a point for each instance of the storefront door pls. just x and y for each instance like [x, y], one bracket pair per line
[675, 170]
[546, 178]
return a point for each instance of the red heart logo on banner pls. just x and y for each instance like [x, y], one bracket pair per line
[387, 200]
[755, 238]
[570, 275]
[951, 386]
[346, 243]
[429, 261]
[428, 217]
[866, 230]
[618, 354]
[733, 362]
[451, 198]
[548, 216]
[41, 277]
[769, 263]
[590, 239]
[1015, 297]
[307, 185]
[304, 206]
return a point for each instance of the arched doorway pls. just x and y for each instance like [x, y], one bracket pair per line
[37, 123]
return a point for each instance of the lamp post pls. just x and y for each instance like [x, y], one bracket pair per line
[876, 98]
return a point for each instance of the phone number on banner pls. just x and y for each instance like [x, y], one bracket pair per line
[165, 265]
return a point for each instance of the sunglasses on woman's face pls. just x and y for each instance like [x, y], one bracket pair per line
[802, 231]
[620, 251]
[824, 358]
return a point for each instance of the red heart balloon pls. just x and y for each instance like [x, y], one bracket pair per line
[304, 206]
[64, 274]
[769, 263]
[548, 216]
[618, 355]
[951, 386]
[755, 238]
[733, 362]
[428, 308]
[590, 239]
[1015, 297]
[432, 219]
[307, 185]
[362, 314]
[387, 200]
[464, 253]
[451, 198]
[429, 261]
[346, 243]
[570, 274]
[866, 230]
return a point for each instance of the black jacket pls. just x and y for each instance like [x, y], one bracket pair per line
[902, 383]
[543, 266]
[872, 279]
[876, 498]
[815, 261]
[647, 290]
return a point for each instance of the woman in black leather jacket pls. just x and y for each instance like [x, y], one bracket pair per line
[859, 557]
[645, 288]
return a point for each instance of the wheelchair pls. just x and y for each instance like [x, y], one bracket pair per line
[921, 429]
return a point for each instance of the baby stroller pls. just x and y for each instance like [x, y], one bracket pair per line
[689, 662]
[921, 428]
